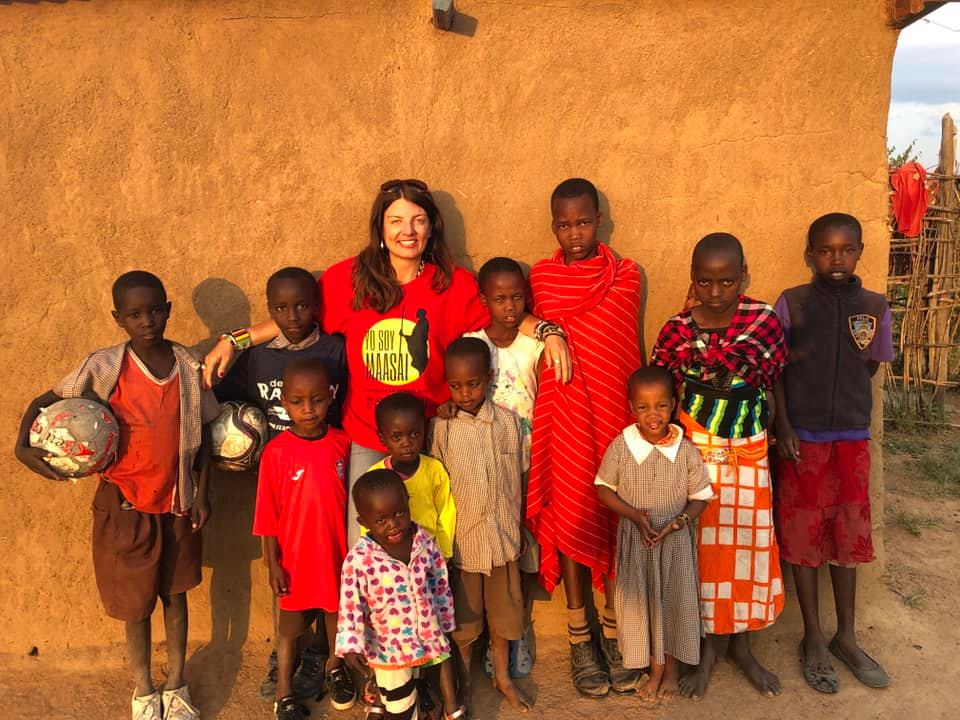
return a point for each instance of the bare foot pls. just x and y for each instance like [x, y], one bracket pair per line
[517, 700]
[649, 691]
[670, 685]
[762, 679]
[693, 685]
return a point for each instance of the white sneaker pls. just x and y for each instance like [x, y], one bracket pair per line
[178, 706]
[147, 707]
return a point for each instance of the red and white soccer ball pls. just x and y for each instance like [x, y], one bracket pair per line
[239, 435]
[81, 435]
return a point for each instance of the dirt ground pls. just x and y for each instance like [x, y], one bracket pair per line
[907, 619]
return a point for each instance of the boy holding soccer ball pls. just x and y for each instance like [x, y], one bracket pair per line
[257, 377]
[152, 501]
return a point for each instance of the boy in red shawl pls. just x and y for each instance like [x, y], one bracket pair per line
[595, 298]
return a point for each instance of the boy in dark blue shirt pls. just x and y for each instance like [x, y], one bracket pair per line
[257, 377]
[838, 333]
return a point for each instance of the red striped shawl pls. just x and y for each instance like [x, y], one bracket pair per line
[597, 302]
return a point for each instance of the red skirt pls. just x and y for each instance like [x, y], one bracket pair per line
[822, 504]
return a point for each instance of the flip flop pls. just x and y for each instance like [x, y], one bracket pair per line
[822, 678]
[875, 677]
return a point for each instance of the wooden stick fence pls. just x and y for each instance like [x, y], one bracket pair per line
[923, 286]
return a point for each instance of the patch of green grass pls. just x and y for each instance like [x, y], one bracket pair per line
[913, 600]
[905, 444]
[941, 468]
[913, 522]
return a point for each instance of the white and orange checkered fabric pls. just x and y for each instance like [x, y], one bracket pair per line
[741, 585]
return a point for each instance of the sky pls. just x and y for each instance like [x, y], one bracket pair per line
[926, 83]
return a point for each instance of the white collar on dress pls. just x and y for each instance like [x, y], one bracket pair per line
[640, 448]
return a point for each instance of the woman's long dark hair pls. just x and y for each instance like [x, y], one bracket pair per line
[375, 284]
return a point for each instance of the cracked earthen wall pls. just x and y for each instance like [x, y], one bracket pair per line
[215, 142]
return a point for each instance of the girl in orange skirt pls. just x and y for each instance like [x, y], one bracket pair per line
[726, 352]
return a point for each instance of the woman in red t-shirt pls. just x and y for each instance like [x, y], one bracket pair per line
[399, 303]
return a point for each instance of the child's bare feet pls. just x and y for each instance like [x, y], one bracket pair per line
[513, 694]
[670, 685]
[762, 679]
[693, 685]
[649, 690]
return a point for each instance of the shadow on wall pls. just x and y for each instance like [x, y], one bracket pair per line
[229, 548]
[608, 226]
[454, 230]
[222, 306]
[605, 233]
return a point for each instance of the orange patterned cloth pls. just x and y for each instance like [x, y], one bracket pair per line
[741, 586]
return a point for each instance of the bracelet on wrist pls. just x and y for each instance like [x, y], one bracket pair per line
[240, 339]
[685, 518]
[545, 328]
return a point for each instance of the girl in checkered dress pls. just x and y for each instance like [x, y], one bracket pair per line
[726, 353]
[656, 482]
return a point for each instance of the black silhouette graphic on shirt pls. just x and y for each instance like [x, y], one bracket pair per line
[417, 340]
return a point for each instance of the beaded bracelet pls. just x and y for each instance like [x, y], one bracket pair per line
[685, 518]
[240, 339]
[545, 328]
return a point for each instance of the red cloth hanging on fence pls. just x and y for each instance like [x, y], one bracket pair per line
[909, 198]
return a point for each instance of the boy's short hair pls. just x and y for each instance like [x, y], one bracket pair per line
[135, 279]
[651, 375]
[469, 347]
[574, 188]
[307, 365]
[834, 221]
[400, 402]
[292, 273]
[716, 244]
[497, 265]
[373, 481]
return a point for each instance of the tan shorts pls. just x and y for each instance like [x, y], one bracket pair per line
[138, 557]
[496, 598]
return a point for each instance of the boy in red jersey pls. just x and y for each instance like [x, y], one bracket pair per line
[301, 515]
[595, 298]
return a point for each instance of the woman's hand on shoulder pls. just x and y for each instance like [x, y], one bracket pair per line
[447, 410]
[217, 362]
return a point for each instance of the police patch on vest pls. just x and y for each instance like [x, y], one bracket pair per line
[863, 328]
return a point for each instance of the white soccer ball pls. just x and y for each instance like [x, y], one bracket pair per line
[239, 435]
[81, 434]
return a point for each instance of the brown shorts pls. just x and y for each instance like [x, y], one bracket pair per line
[497, 597]
[138, 557]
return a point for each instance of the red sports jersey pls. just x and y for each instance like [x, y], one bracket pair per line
[302, 501]
[401, 349]
[147, 409]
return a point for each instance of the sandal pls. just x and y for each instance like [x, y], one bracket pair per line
[875, 677]
[822, 678]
